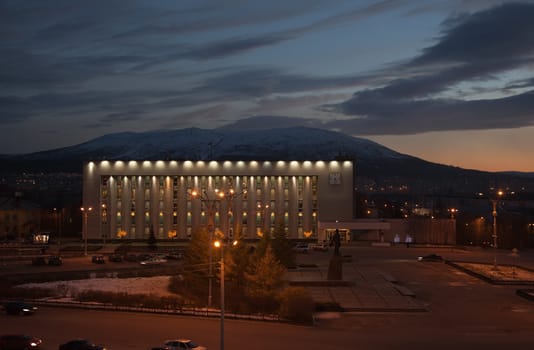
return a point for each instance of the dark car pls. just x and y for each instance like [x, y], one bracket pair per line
[144, 256]
[19, 308]
[130, 257]
[115, 258]
[176, 344]
[80, 344]
[98, 259]
[55, 260]
[430, 257]
[19, 342]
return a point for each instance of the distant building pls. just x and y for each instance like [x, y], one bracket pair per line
[174, 198]
[18, 218]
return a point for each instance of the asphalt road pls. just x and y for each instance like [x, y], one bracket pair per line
[464, 313]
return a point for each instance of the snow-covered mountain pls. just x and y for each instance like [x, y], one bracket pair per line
[374, 164]
[296, 143]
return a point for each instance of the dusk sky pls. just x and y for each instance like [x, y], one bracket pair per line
[448, 81]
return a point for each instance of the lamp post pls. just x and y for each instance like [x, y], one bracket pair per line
[210, 203]
[220, 244]
[494, 214]
[85, 212]
[56, 223]
[262, 210]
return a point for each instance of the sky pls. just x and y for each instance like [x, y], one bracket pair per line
[449, 81]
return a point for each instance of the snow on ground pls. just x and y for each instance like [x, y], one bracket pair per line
[139, 285]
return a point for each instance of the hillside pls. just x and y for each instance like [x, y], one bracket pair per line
[374, 163]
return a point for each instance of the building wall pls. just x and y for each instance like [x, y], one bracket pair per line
[422, 230]
[135, 197]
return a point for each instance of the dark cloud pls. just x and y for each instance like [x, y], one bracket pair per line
[57, 58]
[504, 34]
[411, 117]
[473, 48]
[263, 82]
[232, 46]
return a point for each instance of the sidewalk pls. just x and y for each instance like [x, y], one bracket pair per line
[363, 289]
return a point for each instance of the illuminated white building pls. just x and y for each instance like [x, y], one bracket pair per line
[133, 198]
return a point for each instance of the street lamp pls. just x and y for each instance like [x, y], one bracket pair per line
[210, 203]
[220, 244]
[85, 212]
[263, 210]
[494, 213]
[56, 219]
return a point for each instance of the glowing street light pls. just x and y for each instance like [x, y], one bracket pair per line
[220, 244]
[494, 213]
[210, 203]
[85, 212]
[263, 211]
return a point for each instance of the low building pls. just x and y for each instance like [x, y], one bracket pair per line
[172, 199]
[19, 218]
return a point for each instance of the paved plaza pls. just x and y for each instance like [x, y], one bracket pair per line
[369, 285]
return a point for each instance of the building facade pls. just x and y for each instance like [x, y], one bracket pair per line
[19, 218]
[173, 199]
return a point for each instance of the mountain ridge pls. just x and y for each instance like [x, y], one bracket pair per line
[373, 162]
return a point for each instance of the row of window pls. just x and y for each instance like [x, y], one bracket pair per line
[265, 214]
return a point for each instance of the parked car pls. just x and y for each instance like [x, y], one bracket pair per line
[430, 257]
[19, 308]
[176, 255]
[301, 248]
[55, 260]
[98, 259]
[154, 260]
[130, 257]
[115, 258]
[81, 344]
[320, 247]
[144, 256]
[180, 344]
[19, 341]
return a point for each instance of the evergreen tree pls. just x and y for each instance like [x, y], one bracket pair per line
[196, 265]
[237, 265]
[262, 245]
[265, 282]
[283, 248]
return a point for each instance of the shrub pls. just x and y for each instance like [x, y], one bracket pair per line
[297, 305]
[134, 300]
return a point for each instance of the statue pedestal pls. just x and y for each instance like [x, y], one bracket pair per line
[335, 268]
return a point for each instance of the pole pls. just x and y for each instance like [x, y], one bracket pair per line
[60, 224]
[85, 211]
[210, 273]
[222, 296]
[494, 213]
[85, 233]
[210, 206]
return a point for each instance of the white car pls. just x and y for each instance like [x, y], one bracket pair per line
[320, 247]
[153, 261]
[301, 248]
[180, 344]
